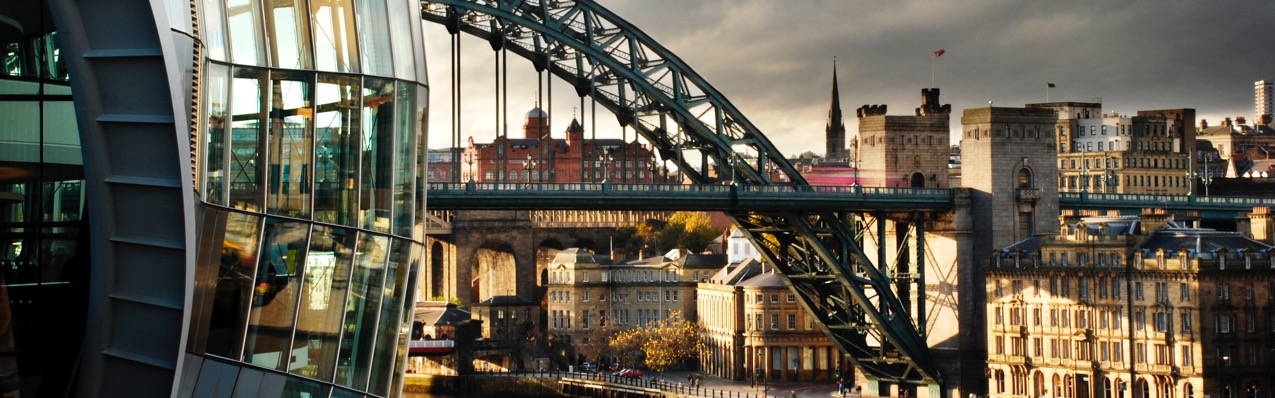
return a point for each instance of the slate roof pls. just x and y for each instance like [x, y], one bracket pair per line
[439, 313]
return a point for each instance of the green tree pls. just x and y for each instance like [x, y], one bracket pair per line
[687, 230]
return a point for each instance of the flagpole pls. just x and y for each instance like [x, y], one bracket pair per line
[933, 60]
[1046, 92]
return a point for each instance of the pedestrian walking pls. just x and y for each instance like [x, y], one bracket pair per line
[793, 394]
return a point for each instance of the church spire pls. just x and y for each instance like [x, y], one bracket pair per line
[836, 130]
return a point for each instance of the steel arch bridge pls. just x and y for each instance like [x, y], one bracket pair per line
[650, 89]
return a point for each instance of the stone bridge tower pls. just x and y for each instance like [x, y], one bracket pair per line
[905, 151]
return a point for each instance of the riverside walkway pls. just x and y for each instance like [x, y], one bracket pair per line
[671, 384]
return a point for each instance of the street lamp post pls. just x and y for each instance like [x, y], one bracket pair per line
[528, 166]
[652, 167]
[1208, 175]
[605, 159]
[469, 158]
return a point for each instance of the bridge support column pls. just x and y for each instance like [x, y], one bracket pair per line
[934, 390]
[877, 387]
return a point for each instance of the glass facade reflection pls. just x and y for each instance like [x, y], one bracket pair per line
[307, 160]
[43, 260]
[310, 157]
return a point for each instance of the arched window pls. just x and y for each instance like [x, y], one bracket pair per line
[1024, 178]
[1189, 390]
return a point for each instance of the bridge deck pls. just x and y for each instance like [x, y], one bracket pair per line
[606, 196]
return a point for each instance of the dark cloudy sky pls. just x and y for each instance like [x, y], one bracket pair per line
[773, 59]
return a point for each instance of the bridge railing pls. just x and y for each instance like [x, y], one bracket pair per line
[640, 188]
[1167, 200]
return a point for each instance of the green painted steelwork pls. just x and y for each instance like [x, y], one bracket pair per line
[650, 89]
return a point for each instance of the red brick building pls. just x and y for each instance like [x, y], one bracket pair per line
[538, 157]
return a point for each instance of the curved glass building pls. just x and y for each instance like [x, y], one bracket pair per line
[209, 197]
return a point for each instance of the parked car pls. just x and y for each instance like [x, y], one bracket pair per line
[630, 373]
[588, 367]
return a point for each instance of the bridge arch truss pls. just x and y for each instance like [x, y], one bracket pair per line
[650, 89]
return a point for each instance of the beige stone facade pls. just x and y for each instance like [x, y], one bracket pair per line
[584, 292]
[754, 327]
[905, 150]
[1098, 152]
[1131, 306]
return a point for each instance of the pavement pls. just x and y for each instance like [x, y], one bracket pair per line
[783, 389]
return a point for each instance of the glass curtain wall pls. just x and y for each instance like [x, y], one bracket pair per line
[43, 264]
[310, 154]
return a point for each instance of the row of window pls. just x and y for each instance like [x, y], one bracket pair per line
[774, 298]
[564, 296]
[757, 322]
[1069, 386]
[561, 319]
[1111, 287]
[1114, 162]
[621, 276]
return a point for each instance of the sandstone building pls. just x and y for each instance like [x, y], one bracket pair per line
[585, 293]
[753, 326]
[1140, 306]
[907, 151]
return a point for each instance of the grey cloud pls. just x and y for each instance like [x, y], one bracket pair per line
[773, 59]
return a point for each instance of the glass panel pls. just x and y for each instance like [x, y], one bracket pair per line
[289, 25]
[234, 284]
[401, 39]
[362, 308]
[407, 314]
[305, 388]
[335, 46]
[374, 38]
[290, 146]
[217, 78]
[388, 328]
[418, 43]
[327, 275]
[274, 299]
[337, 149]
[404, 159]
[29, 50]
[214, 29]
[243, 20]
[247, 127]
[61, 142]
[377, 146]
[422, 149]
[341, 393]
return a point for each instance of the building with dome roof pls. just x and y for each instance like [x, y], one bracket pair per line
[537, 157]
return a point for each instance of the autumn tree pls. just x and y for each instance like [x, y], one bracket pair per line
[627, 345]
[662, 344]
